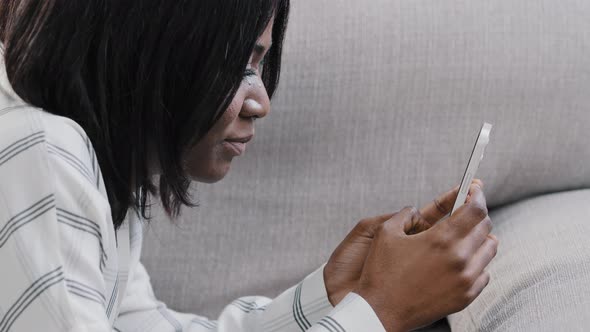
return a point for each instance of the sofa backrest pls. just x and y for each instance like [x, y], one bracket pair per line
[379, 106]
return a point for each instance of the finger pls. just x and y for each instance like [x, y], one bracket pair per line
[443, 205]
[403, 221]
[470, 214]
[483, 256]
[369, 226]
[413, 222]
[440, 206]
[364, 232]
[478, 286]
[476, 182]
[476, 238]
[417, 225]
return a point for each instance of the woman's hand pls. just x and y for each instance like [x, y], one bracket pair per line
[344, 268]
[413, 280]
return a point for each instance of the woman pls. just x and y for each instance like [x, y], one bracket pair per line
[104, 97]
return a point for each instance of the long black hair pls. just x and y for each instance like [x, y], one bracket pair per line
[146, 79]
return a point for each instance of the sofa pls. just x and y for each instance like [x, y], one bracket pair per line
[379, 106]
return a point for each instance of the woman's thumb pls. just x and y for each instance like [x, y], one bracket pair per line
[410, 221]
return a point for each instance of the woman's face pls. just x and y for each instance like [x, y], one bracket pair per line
[209, 160]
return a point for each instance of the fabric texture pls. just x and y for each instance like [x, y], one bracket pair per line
[378, 108]
[63, 270]
[66, 269]
[541, 275]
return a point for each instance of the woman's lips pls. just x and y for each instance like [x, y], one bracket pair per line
[243, 139]
[236, 148]
[237, 145]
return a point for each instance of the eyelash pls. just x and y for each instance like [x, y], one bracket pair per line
[249, 72]
[252, 72]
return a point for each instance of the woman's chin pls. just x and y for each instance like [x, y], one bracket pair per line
[212, 174]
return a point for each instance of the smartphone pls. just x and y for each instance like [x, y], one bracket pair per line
[476, 156]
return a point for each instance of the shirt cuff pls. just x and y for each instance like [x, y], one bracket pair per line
[312, 298]
[299, 307]
[352, 314]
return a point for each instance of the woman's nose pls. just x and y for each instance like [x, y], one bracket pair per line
[253, 109]
[256, 105]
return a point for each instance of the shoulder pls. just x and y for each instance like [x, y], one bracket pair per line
[22, 119]
[46, 162]
[35, 141]
[18, 122]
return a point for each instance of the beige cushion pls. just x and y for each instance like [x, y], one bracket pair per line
[541, 275]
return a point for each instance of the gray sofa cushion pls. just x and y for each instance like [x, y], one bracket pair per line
[379, 106]
[541, 275]
[540, 278]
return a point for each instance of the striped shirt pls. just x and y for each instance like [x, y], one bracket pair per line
[64, 268]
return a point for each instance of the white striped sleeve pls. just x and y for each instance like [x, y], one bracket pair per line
[353, 313]
[52, 234]
[304, 307]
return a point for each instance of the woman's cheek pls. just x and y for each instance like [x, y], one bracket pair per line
[230, 115]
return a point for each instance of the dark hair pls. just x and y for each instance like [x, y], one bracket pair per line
[145, 79]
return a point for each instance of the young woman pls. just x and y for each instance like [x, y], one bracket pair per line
[106, 104]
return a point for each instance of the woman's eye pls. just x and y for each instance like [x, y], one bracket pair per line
[249, 72]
